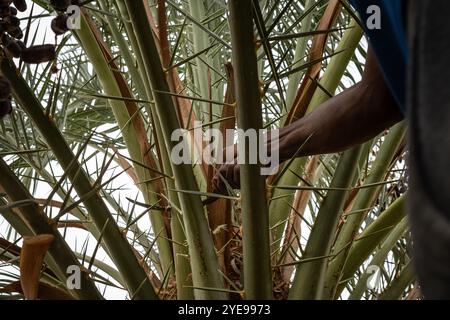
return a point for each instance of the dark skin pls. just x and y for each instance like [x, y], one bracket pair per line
[353, 117]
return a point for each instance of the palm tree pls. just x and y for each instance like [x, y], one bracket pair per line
[92, 205]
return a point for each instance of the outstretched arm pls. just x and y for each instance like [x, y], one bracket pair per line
[348, 119]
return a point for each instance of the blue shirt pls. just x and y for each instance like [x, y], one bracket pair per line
[389, 42]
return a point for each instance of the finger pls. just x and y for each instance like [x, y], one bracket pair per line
[218, 185]
[236, 177]
[229, 173]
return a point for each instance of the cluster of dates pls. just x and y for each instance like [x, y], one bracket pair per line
[5, 97]
[11, 35]
[10, 40]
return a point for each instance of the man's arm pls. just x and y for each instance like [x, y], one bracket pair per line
[348, 119]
